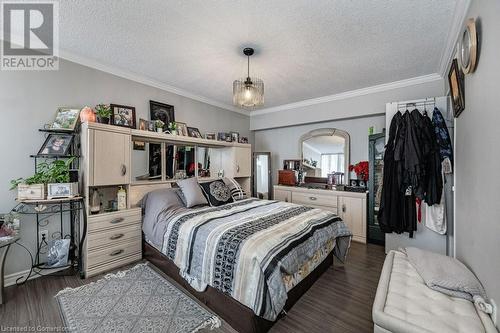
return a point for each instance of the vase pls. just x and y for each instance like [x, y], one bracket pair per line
[159, 130]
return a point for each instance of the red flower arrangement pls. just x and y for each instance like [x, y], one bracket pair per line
[361, 170]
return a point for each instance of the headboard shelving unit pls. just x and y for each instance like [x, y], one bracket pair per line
[113, 238]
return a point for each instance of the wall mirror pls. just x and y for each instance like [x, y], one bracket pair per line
[262, 182]
[325, 151]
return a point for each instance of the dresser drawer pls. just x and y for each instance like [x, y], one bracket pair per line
[113, 253]
[113, 220]
[112, 236]
[314, 199]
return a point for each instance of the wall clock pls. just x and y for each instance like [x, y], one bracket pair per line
[468, 47]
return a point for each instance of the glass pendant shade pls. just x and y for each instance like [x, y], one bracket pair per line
[248, 93]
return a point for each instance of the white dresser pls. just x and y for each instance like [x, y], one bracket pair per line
[350, 206]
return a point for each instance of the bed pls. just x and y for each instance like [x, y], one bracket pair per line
[249, 260]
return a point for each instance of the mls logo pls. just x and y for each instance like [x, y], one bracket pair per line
[30, 35]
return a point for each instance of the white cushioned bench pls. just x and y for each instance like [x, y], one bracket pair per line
[404, 303]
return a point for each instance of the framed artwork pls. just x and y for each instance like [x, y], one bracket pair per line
[139, 145]
[56, 145]
[243, 139]
[456, 81]
[122, 115]
[210, 136]
[151, 126]
[161, 111]
[143, 124]
[235, 136]
[182, 129]
[194, 132]
[66, 119]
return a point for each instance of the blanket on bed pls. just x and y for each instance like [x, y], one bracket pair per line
[243, 248]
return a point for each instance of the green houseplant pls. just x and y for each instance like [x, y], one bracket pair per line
[103, 113]
[172, 127]
[159, 125]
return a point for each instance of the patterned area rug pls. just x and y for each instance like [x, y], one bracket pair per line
[135, 300]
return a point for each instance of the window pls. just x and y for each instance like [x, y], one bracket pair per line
[331, 163]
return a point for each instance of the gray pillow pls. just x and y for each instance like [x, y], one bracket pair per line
[192, 192]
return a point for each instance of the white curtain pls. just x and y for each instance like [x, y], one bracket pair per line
[331, 163]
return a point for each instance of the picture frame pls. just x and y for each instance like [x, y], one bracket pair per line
[122, 115]
[139, 145]
[243, 139]
[222, 136]
[194, 132]
[456, 82]
[235, 137]
[143, 124]
[56, 144]
[66, 119]
[210, 136]
[161, 111]
[182, 129]
[151, 126]
[62, 190]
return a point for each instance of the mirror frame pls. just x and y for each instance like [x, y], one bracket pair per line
[254, 175]
[330, 132]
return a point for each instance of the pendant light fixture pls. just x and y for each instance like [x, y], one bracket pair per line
[249, 92]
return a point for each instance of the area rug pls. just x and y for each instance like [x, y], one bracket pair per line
[135, 300]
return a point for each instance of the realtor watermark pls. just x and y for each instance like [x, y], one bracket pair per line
[30, 35]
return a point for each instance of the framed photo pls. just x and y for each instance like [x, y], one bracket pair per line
[151, 126]
[210, 136]
[182, 129]
[194, 132]
[235, 136]
[161, 111]
[243, 139]
[62, 190]
[56, 145]
[223, 136]
[456, 81]
[143, 124]
[122, 115]
[66, 119]
[139, 145]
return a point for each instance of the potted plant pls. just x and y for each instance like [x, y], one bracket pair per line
[59, 185]
[159, 125]
[172, 127]
[33, 187]
[103, 113]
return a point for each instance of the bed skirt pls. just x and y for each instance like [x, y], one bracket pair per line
[239, 316]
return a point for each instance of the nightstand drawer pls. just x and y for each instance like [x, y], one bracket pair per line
[314, 199]
[113, 236]
[113, 253]
[112, 220]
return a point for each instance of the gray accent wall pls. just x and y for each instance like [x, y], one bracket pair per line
[477, 135]
[29, 99]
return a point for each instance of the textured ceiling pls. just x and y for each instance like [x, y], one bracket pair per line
[304, 49]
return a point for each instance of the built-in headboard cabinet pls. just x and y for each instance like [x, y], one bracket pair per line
[113, 238]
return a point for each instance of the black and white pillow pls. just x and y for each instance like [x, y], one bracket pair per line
[216, 192]
[237, 192]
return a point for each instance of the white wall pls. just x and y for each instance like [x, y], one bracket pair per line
[477, 157]
[283, 143]
[28, 100]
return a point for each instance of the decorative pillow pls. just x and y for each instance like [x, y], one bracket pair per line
[237, 192]
[192, 193]
[217, 192]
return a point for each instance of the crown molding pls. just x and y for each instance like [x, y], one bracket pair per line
[459, 16]
[352, 93]
[129, 75]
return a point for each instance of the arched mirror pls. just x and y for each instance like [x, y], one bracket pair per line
[325, 152]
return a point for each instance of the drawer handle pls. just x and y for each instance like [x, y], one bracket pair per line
[313, 198]
[117, 236]
[118, 220]
[124, 169]
[116, 252]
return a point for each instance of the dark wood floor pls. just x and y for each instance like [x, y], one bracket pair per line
[340, 301]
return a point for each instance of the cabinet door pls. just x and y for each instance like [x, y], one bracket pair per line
[353, 213]
[282, 195]
[243, 162]
[111, 158]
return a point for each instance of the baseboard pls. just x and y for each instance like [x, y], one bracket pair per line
[10, 280]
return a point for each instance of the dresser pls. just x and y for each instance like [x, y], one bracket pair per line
[350, 206]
